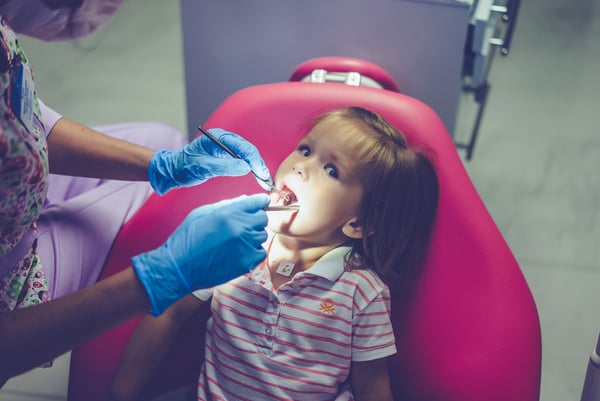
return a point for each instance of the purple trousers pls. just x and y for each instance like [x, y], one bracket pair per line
[82, 216]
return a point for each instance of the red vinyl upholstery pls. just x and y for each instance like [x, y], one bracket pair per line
[471, 331]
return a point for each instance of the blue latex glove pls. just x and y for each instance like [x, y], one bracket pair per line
[214, 244]
[203, 159]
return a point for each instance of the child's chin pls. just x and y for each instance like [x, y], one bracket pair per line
[281, 221]
[279, 224]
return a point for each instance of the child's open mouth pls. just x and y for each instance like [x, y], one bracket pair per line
[284, 199]
[288, 196]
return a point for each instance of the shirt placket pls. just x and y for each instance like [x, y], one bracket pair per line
[277, 300]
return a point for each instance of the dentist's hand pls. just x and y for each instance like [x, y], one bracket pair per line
[214, 244]
[203, 159]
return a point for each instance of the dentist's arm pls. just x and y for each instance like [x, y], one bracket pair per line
[74, 149]
[32, 336]
[214, 244]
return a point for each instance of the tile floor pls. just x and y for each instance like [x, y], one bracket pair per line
[534, 163]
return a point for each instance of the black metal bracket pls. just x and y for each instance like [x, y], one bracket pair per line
[480, 93]
[482, 90]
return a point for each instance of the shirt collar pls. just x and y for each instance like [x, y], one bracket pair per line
[331, 265]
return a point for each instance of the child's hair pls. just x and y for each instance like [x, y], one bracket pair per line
[400, 198]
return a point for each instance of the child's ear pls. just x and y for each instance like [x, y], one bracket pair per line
[353, 229]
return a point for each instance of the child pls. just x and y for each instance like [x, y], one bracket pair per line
[312, 322]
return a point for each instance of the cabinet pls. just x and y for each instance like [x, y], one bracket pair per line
[232, 44]
[434, 49]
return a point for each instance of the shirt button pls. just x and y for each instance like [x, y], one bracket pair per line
[268, 331]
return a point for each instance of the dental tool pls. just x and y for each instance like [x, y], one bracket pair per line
[227, 149]
[283, 208]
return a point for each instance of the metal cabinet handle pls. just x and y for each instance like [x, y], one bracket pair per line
[496, 41]
[498, 9]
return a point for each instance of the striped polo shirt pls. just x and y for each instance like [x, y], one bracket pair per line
[297, 342]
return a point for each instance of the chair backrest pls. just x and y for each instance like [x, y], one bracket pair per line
[371, 73]
[470, 332]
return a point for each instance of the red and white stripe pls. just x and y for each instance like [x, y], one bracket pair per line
[296, 343]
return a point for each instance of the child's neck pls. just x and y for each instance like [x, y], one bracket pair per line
[301, 254]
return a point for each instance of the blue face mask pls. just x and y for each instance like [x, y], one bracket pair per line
[52, 20]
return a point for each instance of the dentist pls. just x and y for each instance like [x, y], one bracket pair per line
[52, 249]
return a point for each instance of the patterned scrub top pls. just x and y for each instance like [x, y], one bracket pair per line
[23, 178]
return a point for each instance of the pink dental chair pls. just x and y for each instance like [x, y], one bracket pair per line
[470, 331]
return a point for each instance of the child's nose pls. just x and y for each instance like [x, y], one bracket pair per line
[300, 169]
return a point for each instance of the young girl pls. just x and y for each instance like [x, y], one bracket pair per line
[312, 322]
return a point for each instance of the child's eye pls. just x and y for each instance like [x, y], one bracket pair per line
[332, 171]
[304, 150]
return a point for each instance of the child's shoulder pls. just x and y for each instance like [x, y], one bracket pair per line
[363, 275]
[364, 286]
[364, 279]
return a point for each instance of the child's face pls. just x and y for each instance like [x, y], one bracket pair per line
[318, 177]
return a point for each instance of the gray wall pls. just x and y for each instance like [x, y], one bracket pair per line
[232, 44]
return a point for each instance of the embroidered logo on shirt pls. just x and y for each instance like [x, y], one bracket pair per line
[327, 306]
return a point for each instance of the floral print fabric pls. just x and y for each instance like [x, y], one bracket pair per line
[24, 286]
[23, 183]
